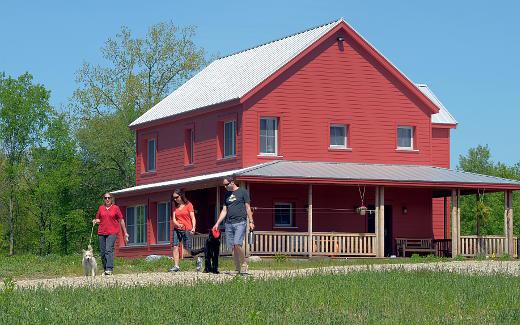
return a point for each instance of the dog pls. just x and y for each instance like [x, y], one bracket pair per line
[89, 262]
[211, 252]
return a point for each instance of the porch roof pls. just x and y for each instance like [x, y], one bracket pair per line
[286, 171]
[376, 174]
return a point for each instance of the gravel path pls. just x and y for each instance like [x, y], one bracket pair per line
[190, 278]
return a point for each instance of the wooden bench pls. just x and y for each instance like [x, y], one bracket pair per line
[417, 245]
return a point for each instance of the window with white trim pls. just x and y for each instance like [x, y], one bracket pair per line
[163, 222]
[405, 137]
[150, 158]
[283, 214]
[136, 224]
[338, 136]
[229, 139]
[269, 136]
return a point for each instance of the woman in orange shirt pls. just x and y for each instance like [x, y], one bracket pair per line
[183, 225]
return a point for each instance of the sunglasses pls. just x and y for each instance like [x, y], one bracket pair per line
[107, 197]
[176, 197]
[226, 184]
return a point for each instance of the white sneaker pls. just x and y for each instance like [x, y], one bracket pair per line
[174, 269]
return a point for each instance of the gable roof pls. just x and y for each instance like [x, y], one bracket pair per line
[232, 77]
[443, 117]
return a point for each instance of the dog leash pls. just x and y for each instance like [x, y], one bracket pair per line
[91, 231]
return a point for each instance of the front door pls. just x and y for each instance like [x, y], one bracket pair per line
[371, 227]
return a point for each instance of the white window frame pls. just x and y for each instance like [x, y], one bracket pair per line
[345, 139]
[412, 131]
[134, 227]
[166, 223]
[275, 153]
[148, 169]
[291, 214]
[233, 139]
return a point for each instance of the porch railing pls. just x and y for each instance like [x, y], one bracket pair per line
[486, 245]
[199, 241]
[323, 243]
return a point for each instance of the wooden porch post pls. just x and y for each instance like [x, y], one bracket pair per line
[309, 220]
[508, 222]
[380, 221]
[455, 222]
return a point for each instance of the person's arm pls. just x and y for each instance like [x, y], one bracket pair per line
[122, 224]
[96, 219]
[250, 216]
[193, 221]
[221, 217]
[125, 233]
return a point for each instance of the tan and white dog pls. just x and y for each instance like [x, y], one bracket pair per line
[89, 262]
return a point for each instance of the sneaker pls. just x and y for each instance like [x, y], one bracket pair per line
[107, 272]
[174, 269]
[199, 264]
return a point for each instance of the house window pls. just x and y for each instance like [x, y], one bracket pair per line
[189, 141]
[338, 136]
[163, 222]
[405, 137]
[283, 214]
[269, 136]
[150, 161]
[229, 139]
[136, 224]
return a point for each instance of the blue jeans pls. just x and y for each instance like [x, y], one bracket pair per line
[106, 246]
[235, 233]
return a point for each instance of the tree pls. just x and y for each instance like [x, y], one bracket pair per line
[24, 110]
[138, 74]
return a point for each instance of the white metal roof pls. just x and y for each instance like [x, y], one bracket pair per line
[183, 181]
[231, 77]
[443, 117]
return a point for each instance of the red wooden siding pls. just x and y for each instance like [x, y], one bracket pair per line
[335, 84]
[171, 155]
[441, 158]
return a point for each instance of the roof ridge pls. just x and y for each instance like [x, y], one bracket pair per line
[279, 39]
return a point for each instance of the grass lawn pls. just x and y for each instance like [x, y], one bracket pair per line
[32, 266]
[383, 297]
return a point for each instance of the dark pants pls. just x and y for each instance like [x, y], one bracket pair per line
[106, 246]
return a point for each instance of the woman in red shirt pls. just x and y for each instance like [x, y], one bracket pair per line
[109, 218]
[183, 225]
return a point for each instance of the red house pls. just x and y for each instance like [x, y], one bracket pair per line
[314, 125]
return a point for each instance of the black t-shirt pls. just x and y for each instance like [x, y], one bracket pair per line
[236, 205]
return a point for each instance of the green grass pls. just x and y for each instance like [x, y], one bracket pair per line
[33, 267]
[382, 297]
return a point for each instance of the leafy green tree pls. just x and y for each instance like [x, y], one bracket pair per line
[138, 73]
[483, 214]
[24, 111]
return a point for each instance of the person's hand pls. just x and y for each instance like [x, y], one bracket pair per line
[95, 221]
[127, 237]
[251, 226]
[192, 231]
[215, 227]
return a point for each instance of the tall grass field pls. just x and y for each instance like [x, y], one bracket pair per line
[375, 297]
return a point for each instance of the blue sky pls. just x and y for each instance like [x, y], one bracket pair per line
[466, 51]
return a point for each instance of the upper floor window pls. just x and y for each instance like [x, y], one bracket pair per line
[150, 157]
[269, 136]
[163, 222]
[405, 137]
[136, 224]
[189, 142]
[283, 214]
[229, 139]
[338, 136]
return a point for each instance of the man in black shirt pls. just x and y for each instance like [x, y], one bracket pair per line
[238, 215]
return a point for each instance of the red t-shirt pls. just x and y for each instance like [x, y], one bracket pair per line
[110, 217]
[183, 216]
